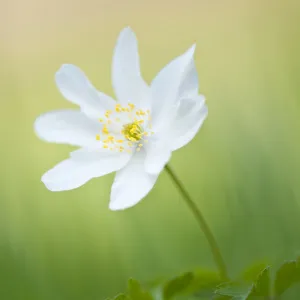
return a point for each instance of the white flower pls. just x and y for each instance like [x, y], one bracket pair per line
[134, 136]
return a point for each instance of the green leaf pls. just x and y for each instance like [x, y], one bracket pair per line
[253, 271]
[259, 289]
[199, 282]
[154, 283]
[136, 291]
[122, 297]
[287, 275]
[261, 286]
[177, 285]
[221, 297]
[236, 290]
[204, 283]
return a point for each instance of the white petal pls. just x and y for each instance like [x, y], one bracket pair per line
[127, 81]
[190, 84]
[96, 154]
[131, 184]
[186, 127]
[189, 106]
[75, 87]
[167, 86]
[158, 153]
[76, 171]
[67, 127]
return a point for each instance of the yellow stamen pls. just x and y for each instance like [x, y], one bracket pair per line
[105, 130]
[132, 131]
[131, 106]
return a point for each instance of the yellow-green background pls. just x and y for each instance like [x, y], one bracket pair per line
[243, 168]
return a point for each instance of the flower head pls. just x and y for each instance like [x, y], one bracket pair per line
[133, 136]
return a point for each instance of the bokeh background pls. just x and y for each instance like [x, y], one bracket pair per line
[243, 168]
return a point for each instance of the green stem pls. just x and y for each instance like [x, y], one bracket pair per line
[202, 223]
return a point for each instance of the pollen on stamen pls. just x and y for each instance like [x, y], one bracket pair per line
[105, 130]
[98, 137]
[131, 106]
[118, 108]
[108, 113]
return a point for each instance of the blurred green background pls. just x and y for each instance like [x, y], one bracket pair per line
[243, 168]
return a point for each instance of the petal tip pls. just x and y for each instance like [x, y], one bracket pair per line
[127, 31]
[65, 68]
[127, 28]
[191, 50]
[39, 126]
[47, 184]
[113, 207]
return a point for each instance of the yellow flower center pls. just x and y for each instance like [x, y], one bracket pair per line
[133, 131]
